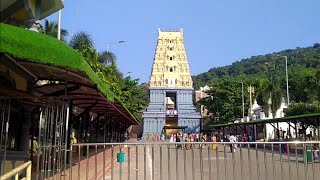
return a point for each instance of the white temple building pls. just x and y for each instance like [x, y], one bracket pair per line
[258, 114]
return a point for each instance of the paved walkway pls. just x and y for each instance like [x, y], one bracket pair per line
[96, 164]
[198, 164]
[167, 162]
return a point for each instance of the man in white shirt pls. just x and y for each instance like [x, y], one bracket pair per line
[232, 139]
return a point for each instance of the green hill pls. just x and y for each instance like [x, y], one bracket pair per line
[303, 63]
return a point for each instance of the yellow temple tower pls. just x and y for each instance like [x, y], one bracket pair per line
[170, 66]
[171, 90]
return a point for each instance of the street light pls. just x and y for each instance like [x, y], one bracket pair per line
[118, 42]
[59, 25]
[286, 59]
[242, 101]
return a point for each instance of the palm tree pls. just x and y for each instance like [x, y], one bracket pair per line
[81, 41]
[103, 63]
[263, 95]
[51, 29]
[107, 58]
[270, 94]
[276, 96]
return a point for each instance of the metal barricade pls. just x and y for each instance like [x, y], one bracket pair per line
[193, 161]
[17, 173]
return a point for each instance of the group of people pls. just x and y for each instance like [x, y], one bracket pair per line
[188, 137]
[201, 137]
[154, 137]
[224, 138]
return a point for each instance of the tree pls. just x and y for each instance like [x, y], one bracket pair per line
[134, 96]
[269, 94]
[263, 95]
[276, 98]
[107, 58]
[224, 101]
[303, 108]
[51, 29]
[302, 66]
[81, 41]
[105, 66]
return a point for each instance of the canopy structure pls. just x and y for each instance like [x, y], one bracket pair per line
[311, 118]
[67, 76]
[305, 120]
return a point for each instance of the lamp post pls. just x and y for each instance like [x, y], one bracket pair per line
[117, 42]
[59, 24]
[286, 59]
[251, 91]
[242, 101]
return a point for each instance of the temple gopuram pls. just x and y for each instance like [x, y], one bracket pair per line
[171, 107]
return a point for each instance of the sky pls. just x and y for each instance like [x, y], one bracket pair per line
[216, 33]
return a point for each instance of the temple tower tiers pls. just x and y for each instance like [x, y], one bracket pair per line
[170, 87]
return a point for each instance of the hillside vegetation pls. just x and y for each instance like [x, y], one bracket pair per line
[267, 74]
[302, 63]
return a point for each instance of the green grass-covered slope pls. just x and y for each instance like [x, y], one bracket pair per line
[40, 48]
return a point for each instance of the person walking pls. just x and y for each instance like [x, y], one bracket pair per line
[163, 137]
[214, 139]
[204, 139]
[200, 140]
[171, 138]
[232, 139]
[192, 137]
[287, 147]
[153, 137]
[178, 139]
[221, 137]
[188, 138]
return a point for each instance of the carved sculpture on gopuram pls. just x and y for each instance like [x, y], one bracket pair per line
[171, 107]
